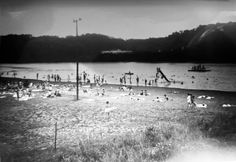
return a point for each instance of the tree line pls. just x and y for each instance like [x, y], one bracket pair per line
[206, 43]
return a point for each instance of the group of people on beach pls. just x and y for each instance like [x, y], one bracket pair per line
[14, 73]
[19, 88]
[53, 77]
[152, 82]
[22, 89]
[130, 90]
[99, 79]
[82, 78]
[123, 80]
[144, 93]
[85, 77]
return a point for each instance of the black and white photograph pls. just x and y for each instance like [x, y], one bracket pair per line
[117, 81]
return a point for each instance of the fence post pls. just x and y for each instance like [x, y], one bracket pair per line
[55, 142]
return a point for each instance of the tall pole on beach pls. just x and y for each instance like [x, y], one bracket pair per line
[77, 62]
[77, 80]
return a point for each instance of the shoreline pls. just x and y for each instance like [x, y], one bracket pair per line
[135, 87]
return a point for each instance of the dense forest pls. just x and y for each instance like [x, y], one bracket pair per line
[206, 43]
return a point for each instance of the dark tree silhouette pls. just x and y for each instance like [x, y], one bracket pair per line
[206, 43]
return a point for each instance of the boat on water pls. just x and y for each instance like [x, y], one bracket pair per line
[199, 68]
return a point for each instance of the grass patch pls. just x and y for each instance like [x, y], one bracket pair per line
[155, 143]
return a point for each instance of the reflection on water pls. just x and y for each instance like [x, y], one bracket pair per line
[221, 77]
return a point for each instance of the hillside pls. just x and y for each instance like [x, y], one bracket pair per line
[206, 43]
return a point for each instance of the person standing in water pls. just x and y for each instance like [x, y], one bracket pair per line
[121, 81]
[102, 79]
[48, 77]
[84, 76]
[94, 78]
[155, 81]
[37, 76]
[137, 80]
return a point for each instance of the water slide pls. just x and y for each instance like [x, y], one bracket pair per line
[163, 75]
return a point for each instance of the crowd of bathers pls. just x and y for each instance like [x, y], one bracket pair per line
[151, 82]
[24, 88]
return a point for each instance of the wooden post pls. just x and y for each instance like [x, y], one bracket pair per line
[55, 140]
[17, 94]
[77, 80]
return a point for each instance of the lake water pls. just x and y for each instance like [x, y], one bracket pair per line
[221, 77]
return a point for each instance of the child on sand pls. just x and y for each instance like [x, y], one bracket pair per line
[57, 93]
[141, 92]
[103, 92]
[131, 91]
[190, 100]
[146, 93]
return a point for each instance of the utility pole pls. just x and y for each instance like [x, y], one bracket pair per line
[77, 62]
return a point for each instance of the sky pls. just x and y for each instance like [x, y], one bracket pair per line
[126, 19]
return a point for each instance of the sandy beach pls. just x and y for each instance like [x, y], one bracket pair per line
[113, 126]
